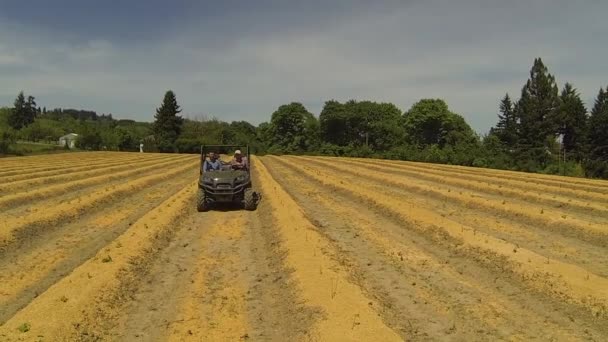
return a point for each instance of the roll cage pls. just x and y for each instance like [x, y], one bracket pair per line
[224, 149]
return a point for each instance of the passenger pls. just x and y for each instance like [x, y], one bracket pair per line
[239, 162]
[213, 163]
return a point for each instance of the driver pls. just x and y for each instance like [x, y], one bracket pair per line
[213, 163]
[239, 161]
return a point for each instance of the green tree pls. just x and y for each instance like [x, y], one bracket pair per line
[537, 107]
[333, 123]
[506, 128]
[430, 122]
[294, 129]
[167, 125]
[23, 112]
[597, 163]
[90, 139]
[572, 122]
[125, 140]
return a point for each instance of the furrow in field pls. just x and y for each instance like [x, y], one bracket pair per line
[523, 184]
[591, 230]
[590, 185]
[427, 289]
[322, 282]
[488, 187]
[56, 251]
[103, 282]
[46, 162]
[33, 160]
[16, 228]
[55, 190]
[84, 172]
[569, 247]
[22, 170]
[563, 281]
[36, 177]
[220, 279]
[215, 307]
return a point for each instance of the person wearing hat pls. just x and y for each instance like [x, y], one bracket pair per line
[239, 162]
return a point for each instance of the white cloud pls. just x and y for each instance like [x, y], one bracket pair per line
[244, 65]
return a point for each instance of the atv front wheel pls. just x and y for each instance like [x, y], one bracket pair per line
[201, 201]
[250, 199]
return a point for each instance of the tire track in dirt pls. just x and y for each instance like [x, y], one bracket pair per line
[563, 281]
[321, 281]
[18, 228]
[552, 220]
[104, 281]
[32, 268]
[215, 306]
[428, 290]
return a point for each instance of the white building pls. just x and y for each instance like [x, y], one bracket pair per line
[68, 139]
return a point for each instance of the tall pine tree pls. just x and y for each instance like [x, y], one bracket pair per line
[30, 110]
[506, 128]
[167, 125]
[537, 108]
[23, 113]
[597, 164]
[572, 122]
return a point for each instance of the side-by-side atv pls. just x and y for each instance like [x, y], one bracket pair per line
[230, 184]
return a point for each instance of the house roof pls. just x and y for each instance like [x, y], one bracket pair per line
[69, 135]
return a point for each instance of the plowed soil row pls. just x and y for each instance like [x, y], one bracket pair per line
[337, 250]
[45, 163]
[563, 280]
[23, 181]
[530, 178]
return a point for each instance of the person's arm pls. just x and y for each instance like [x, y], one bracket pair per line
[205, 166]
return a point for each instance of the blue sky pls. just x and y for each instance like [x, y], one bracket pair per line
[240, 60]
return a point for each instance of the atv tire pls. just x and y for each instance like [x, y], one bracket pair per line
[250, 199]
[201, 201]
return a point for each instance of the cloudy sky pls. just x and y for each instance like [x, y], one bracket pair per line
[240, 60]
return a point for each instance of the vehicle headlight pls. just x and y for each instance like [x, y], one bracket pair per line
[241, 178]
[207, 180]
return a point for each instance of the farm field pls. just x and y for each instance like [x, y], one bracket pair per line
[108, 245]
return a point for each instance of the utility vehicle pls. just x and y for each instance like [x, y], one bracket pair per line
[230, 184]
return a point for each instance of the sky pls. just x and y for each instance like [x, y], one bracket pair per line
[240, 60]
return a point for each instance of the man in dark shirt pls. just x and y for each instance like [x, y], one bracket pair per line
[213, 163]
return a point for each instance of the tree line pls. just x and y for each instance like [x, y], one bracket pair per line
[545, 130]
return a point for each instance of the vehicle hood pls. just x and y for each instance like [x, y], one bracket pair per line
[227, 176]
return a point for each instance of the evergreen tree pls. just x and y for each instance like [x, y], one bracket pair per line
[506, 128]
[21, 114]
[537, 107]
[597, 165]
[572, 121]
[31, 110]
[167, 125]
